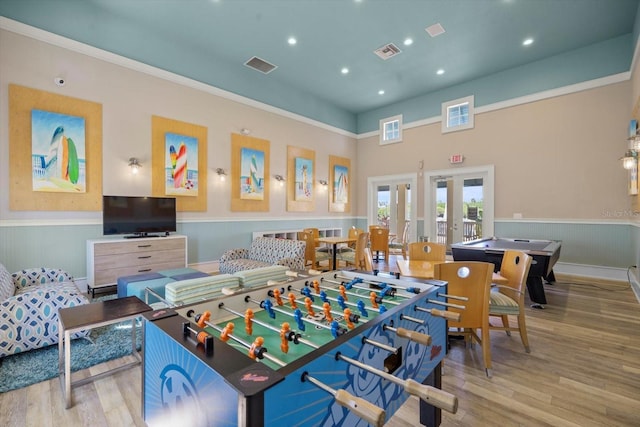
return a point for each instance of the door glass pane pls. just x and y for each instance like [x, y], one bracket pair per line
[441, 212]
[472, 199]
[383, 201]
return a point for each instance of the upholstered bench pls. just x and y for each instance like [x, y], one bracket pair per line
[135, 285]
[193, 290]
[264, 252]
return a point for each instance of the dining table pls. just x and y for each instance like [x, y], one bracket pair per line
[334, 241]
[425, 270]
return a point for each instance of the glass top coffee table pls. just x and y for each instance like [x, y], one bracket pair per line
[89, 316]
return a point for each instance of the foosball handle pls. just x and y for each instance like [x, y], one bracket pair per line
[418, 337]
[449, 315]
[362, 408]
[433, 396]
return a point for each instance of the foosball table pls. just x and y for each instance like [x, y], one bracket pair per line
[341, 348]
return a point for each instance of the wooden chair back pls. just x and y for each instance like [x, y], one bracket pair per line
[368, 259]
[353, 234]
[427, 251]
[515, 267]
[316, 235]
[380, 242]
[310, 250]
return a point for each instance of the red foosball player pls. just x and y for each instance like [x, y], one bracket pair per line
[276, 295]
[256, 350]
[326, 307]
[347, 318]
[343, 292]
[307, 303]
[226, 331]
[374, 299]
[248, 321]
[284, 337]
[201, 319]
[316, 286]
[292, 300]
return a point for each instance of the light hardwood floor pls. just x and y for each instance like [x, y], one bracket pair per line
[583, 370]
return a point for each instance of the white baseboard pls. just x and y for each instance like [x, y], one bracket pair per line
[207, 267]
[593, 271]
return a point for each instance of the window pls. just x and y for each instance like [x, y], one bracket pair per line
[391, 130]
[457, 114]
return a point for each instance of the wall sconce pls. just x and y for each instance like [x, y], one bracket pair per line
[280, 179]
[323, 182]
[630, 158]
[222, 174]
[245, 131]
[134, 164]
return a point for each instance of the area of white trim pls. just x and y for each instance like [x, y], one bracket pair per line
[85, 49]
[568, 221]
[412, 178]
[591, 271]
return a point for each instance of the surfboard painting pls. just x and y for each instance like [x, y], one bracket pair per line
[57, 152]
[304, 180]
[251, 174]
[181, 165]
[340, 184]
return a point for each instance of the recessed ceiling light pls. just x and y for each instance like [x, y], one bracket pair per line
[440, 72]
[381, 92]
[527, 42]
[292, 41]
[408, 41]
[344, 70]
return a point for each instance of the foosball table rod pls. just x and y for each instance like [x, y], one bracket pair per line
[431, 395]
[449, 315]
[381, 285]
[361, 407]
[418, 337]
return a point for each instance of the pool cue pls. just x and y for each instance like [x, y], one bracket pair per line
[362, 408]
[431, 395]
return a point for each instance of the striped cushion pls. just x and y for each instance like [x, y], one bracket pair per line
[260, 276]
[500, 304]
[201, 288]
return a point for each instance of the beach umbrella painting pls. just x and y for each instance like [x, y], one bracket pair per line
[252, 174]
[341, 185]
[304, 176]
[57, 142]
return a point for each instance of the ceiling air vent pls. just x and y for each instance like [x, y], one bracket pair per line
[260, 65]
[435, 29]
[387, 51]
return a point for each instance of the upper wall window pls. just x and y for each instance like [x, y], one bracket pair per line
[457, 114]
[391, 130]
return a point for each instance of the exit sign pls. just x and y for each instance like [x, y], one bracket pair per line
[456, 158]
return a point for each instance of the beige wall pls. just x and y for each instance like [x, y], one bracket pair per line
[555, 158]
[129, 98]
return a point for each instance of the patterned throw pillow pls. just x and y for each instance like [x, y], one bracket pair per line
[6, 284]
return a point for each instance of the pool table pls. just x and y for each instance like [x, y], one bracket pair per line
[545, 253]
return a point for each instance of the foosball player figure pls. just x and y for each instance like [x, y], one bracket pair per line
[278, 296]
[292, 300]
[326, 308]
[343, 292]
[375, 299]
[226, 331]
[307, 303]
[348, 317]
[203, 318]
[257, 350]
[284, 337]
[248, 321]
[316, 286]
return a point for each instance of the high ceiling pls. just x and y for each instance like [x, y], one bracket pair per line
[210, 41]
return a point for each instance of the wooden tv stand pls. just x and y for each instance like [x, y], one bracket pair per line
[110, 258]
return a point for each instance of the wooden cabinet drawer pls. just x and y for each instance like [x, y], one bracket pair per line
[133, 246]
[110, 275]
[139, 259]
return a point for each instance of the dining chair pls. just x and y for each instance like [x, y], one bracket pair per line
[357, 257]
[353, 234]
[508, 299]
[427, 251]
[368, 259]
[380, 243]
[470, 279]
[312, 257]
[401, 247]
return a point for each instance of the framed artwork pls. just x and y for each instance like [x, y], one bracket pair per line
[55, 146]
[340, 184]
[57, 151]
[301, 183]
[179, 163]
[249, 173]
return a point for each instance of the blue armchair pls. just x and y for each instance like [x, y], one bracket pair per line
[29, 303]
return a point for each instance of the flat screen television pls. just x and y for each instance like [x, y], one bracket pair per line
[138, 216]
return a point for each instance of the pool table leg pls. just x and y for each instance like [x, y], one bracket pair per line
[536, 291]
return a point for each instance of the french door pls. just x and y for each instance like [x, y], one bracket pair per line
[459, 204]
[392, 201]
